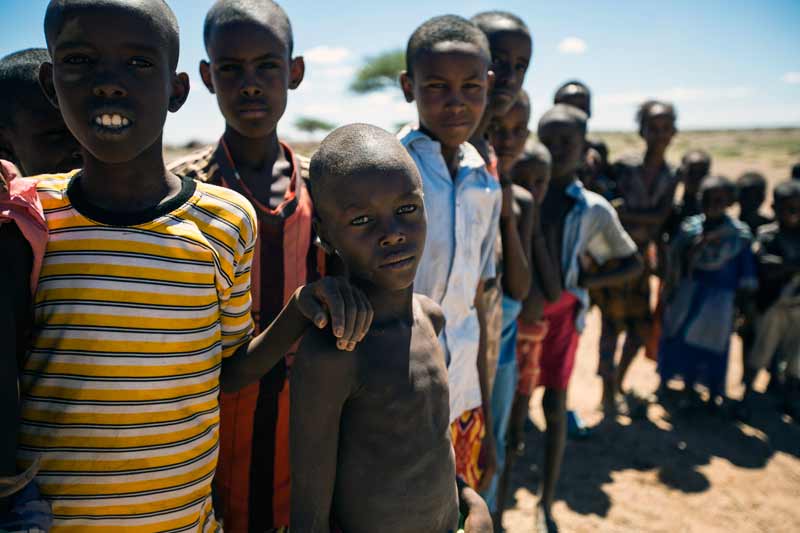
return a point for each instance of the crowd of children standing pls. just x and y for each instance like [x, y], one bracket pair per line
[250, 339]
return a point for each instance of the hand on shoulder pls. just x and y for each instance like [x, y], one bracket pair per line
[334, 301]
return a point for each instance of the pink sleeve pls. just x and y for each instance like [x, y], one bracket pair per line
[20, 204]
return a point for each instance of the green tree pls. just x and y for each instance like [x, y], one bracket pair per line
[312, 125]
[379, 72]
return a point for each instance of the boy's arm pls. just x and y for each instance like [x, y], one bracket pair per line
[516, 254]
[489, 447]
[322, 379]
[546, 266]
[330, 300]
[471, 505]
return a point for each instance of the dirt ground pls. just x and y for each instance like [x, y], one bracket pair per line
[671, 472]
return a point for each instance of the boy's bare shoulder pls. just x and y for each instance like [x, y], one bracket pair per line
[432, 311]
[318, 356]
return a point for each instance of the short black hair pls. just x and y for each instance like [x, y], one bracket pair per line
[696, 156]
[785, 191]
[752, 181]
[264, 12]
[354, 148]
[566, 114]
[19, 82]
[442, 29]
[157, 13]
[796, 171]
[652, 108]
[495, 21]
[561, 92]
[713, 183]
[536, 152]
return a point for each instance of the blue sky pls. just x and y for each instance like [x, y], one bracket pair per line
[733, 63]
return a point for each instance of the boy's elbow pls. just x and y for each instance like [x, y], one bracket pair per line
[519, 291]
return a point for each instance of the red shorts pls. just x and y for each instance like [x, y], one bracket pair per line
[560, 344]
[529, 355]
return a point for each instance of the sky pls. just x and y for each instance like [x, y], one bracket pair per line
[723, 63]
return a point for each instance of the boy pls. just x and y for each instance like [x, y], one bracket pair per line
[143, 304]
[594, 173]
[448, 76]
[645, 188]
[32, 133]
[250, 70]
[778, 256]
[370, 429]
[511, 46]
[752, 191]
[582, 229]
[508, 135]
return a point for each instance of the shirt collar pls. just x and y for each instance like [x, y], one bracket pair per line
[411, 136]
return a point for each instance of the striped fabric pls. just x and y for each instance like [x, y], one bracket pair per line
[121, 385]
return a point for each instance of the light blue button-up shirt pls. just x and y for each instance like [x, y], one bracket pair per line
[592, 226]
[463, 222]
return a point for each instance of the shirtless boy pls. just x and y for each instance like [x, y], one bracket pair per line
[583, 229]
[370, 437]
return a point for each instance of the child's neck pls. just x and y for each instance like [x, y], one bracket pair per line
[132, 186]
[713, 223]
[654, 157]
[388, 305]
[479, 140]
[561, 183]
[451, 154]
[253, 154]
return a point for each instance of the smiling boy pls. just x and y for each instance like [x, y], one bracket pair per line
[251, 69]
[448, 76]
[142, 313]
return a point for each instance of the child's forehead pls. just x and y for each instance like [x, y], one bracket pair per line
[452, 54]
[247, 38]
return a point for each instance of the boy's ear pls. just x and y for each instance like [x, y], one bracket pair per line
[297, 71]
[205, 75]
[491, 78]
[407, 84]
[180, 91]
[320, 231]
[46, 83]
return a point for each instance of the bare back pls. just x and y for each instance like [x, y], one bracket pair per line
[392, 468]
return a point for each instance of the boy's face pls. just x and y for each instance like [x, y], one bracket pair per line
[695, 171]
[250, 72]
[509, 133]
[533, 176]
[450, 85]
[750, 199]
[788, 213]
[40, 141]
[511, 55]
[658, 131]
[565, 142]
[113, 82]
[715, 202]
[376, 222]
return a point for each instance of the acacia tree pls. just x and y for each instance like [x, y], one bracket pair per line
[312, 125]
[379, 72]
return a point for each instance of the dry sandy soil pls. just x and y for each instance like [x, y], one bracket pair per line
[672, 472]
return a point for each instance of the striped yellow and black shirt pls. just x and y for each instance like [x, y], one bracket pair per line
[133, 316]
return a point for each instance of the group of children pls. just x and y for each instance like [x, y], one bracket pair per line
[250, 339]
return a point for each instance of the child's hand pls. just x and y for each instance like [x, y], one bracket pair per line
[489, 455]
[507, 208]
[335, 301]
[479, 519]
[7, 173]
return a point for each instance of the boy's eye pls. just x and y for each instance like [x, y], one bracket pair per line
[437, 85]
[268, 65]
[229, 67]
[360, 221]
[139, 62]
[76, 59]
[472, 86]
[406, 209]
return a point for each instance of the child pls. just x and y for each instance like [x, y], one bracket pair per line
[511, 46]
[595, 172]
[508, 135]
[143, 305]
[370, 429]
[23, 234]
[752, 188]
[32, 133]
[250, 70]
[447, 61]
[778, 255]
[645, 186]
[582, 228]
[711, 262]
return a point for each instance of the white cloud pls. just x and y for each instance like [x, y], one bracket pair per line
[791, 78]
[327, 55]
[572, 45]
